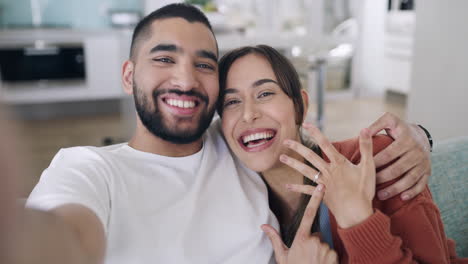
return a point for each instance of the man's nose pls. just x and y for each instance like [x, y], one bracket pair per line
[184, 77]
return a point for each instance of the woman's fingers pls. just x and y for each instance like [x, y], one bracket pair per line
[307, 153]
[278, 246]
[332, 257]
[322, 141]
[309, 214]
[301, 188]
[304, 169]
[365, 147]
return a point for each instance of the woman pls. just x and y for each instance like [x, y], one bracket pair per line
[262, 110]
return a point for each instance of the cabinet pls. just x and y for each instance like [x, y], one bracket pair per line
[102, 67]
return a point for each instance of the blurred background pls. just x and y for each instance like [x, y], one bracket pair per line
[60, 63]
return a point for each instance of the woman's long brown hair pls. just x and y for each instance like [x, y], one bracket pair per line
[288, 80]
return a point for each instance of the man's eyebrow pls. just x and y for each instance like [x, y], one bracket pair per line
[165, 47]
[262, 81]
[207, 54]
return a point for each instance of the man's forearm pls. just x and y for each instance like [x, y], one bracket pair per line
[42, 237]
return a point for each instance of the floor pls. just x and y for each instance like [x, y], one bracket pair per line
[44, 138]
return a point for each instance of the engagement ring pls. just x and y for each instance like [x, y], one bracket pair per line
[316, 177]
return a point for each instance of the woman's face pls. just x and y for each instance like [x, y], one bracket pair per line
[258, 116]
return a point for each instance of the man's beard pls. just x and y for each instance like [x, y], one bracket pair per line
[154, 121]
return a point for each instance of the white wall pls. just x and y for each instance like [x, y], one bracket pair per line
[368, 60]
[439, 93]
[151, 5]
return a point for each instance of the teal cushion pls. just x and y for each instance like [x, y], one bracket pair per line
[448, 185]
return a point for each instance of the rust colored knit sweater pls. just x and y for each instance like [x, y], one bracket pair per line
[398, 231]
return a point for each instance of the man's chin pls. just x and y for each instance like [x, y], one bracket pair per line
[180, 136]
[175, 129]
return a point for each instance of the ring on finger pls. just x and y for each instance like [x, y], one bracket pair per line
[317, 176]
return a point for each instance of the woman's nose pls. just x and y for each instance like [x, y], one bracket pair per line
[251, 113]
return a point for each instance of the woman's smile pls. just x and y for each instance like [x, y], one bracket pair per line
[258, 139]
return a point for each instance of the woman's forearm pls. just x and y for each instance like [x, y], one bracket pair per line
[379, 239]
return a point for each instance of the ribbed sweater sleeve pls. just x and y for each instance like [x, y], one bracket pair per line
[370, 240]
[398, 231]
[414, 234]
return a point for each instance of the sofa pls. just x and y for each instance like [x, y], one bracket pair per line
[448, 184]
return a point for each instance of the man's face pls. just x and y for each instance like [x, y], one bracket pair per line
[175, 80]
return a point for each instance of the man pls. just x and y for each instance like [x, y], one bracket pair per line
[173, 194]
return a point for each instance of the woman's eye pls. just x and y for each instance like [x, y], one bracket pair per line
[265, 94]
[230, 102]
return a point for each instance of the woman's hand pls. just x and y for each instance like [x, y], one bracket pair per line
[350, 188]
[306, 247]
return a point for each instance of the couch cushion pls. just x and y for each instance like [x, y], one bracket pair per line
[448, 185]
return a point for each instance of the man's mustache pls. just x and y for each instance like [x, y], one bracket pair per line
[160, 92]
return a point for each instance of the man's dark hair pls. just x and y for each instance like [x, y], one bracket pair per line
[188, 12]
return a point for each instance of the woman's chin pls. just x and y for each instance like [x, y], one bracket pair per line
[260, 166]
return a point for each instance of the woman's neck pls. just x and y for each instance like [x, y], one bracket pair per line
[287, 201]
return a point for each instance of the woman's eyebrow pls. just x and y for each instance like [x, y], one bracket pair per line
[254, 85]
[262, 81]
[231, 91]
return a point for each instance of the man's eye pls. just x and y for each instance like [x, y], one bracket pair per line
[205, 66]
[163, 60]
[265, 94]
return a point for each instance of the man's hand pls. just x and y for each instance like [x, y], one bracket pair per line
[411, 150]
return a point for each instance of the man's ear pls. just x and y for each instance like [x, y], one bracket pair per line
[127, 76]
[305, 101]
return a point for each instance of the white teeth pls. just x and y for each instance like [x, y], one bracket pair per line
[257, 136]
[181, 103]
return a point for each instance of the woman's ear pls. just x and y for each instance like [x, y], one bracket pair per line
[127, 76]
[305, 101]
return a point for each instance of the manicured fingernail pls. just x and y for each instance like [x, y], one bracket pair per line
[288, 186]
[306, 124]
[283, 158]
[405, 197]
[383, 195]
[319, 187]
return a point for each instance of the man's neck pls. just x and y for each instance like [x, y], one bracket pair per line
[144, 140]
